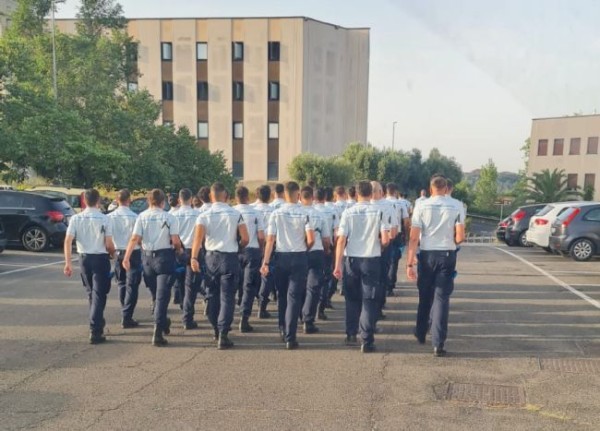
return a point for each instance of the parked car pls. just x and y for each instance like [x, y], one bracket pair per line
[141, 204]
[576, 232]
[34, 220]
[540, 224]
[518, 223]
[501, 229]
[3, 239]
[74, 197]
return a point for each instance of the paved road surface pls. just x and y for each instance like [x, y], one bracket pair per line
[525, 355]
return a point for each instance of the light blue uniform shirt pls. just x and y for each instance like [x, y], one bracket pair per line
[90, 228]
[265, 210]
[204, 207]
[155, 226]
[221, 223]
[186, 218]
[401, 208]
[361, 225]
[277, 203]
[331, 217]
[437, 218]
[254, 223]
[350, 203]
[123, 221]
[320, 226]
[289, 225]
[390, 213]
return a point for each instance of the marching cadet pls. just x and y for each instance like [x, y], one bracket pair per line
[158, 232]
[340, 199]
[204, 195]
[351, 196]
[123, 221]
[173, 203]
[251, 256]
[398, 243]
[362, 234]
[279, 196]
[218, 228]
[186, 218]
[267, 283]
[316, 262]
[291, 230]
[333, 282]
[92, 232]
[438, 227]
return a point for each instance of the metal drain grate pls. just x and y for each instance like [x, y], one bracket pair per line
[491, 395]
[577, 366]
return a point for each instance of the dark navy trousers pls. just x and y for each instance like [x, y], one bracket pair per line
[314, 285]
[362, 282]
[159, 266]
[385, 263]
[267, 285]
[250, 260]
[395, 256]
[290, 279]
[436, 284]
[191, 283]
[328, 279]
[95, 274]
[128, 282]
[221, 278]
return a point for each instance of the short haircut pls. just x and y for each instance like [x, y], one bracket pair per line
[173, 202]
[392, 188]
[439, 183]
[449, 184]
[92, 197]
[156, 197]
[364, 189]
[279, 188]
[306, 192]
[320, 194]
[123, 196]
[292, 187]
[328, 194]
[264, 193]
[185, 194]
[204, 194]
[218, 189]
[340, 190]
[196, 202]
[352, 192]
[242, 193]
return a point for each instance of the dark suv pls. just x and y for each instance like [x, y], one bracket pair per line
[576, 232]
[518, 223]
[34, 220]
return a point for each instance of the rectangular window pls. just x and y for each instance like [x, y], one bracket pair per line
[542, 147]
[167, 90]
[592, 145]
[590, 180]
[132, 51]
[572, 181]
[273, 171]
[132, 86]
[238, 130]
[238, 51]
[238, 90]
[166, 51]
[274, 51]
[202, 130]
[575, 147]
[273, 130]
[201, 51]
[559, 145]
[238, 170]
[274, 91]
[202, 90]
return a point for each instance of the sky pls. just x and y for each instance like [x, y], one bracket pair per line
[463, 76]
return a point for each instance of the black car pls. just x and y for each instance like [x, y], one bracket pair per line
[3, 239]
[501, 229]
[576, 232]
[141, 204]
[518, 223]
[34, 220]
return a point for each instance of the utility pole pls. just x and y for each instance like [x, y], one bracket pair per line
[393, 133]
[54, 79]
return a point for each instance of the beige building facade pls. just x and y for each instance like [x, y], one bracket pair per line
[569, 143]
[261, 90]
[7, 7]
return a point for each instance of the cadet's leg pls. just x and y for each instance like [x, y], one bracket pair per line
[281, 281]
[352, 296]
[314, 284]
[100, 288]
[121, 277]
[133, 280]
[230, 269]
[149, 277]
[297, 286]
[213, 286]
[444, 286]
[192, 280]
[251, 280]
[164, 265]
[425, 284]
[326, 285]
[380, 295]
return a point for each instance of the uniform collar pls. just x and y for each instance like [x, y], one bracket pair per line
[92, 210]
[219, 204]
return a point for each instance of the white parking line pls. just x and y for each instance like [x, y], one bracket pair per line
[554, 279]
[14, 271]
[577, 272]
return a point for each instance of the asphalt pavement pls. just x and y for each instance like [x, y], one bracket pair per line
[524, 354]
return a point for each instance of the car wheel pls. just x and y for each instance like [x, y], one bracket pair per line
[582, 250]
[523, 239]
[34, 238]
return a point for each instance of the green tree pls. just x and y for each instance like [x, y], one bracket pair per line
[437, 163]
[463, 192]
[325, 171]
[550, 186]
[588, 193]
[486, 188]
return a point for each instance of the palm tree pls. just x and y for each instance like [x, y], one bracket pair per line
[546, 186]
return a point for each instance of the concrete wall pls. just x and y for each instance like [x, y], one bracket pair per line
[7, 7]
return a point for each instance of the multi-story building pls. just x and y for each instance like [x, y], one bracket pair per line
[569, 143]
[7, 7]
[261, 90]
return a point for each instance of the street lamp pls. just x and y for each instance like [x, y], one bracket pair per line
[393, 133]
[54, 71]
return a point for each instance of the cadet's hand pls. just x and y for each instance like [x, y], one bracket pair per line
[337, 272]
[68, 271]
[264, 269]
[411, 273]
[126, 264]
[195, 265]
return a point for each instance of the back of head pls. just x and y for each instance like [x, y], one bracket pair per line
[185, 195]
[340, 191]
[450, 185]
[123, 196]
[91, 197]
[204, 194]
[328, 194]
[439, 184]
[306, 193]
[320, 194]
[173, 201]
[352, 192]
[376, 189]
[242, 194]
[156, 197]
[392, 189]
[279, 188]
[264, 194]
[218, 192]
[364, 189]
[292, 187]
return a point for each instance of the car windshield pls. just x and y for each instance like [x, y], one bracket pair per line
[545, 210]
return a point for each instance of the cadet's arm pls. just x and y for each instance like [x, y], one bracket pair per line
[68, 248]
[326, 244]
[198, 241]
[386, 237]
[393, 233]
[264, 269]
[406, 224]
[244, 237]
[415, 236]
[261, 239]
[459, 233]
[135, 240]
[339, 256]
[310, 239]
[110, 245]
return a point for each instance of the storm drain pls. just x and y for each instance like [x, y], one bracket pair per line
[489, 395]
[577, 366]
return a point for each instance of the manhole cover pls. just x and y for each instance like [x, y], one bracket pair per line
[578, 366]
[491, 395]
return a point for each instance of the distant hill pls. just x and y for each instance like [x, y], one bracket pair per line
[506, 180]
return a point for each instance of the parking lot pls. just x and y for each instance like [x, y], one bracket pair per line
[524, 354]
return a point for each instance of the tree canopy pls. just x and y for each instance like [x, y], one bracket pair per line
[551, 186]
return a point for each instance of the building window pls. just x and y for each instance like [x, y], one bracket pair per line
[202, 130]
[132, 51]
[542, 147]
[132, 86]
[238, 130]
[167, 90]
[202, 90]
[273, 171]
[238, 51]
[572, 181]
[575, 147]
[592, 145]
[238, 170]
[166, 51]
[238, 91]
[274, 51]
[589, 180]
[559, 145]
[201, 51]
[274, 91]
[273, 130]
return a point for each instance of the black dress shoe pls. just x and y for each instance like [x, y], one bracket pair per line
[439, 352]
[367, 348]
[224, 342]
[245, 327]
[321, 315]
[420, 338]
[129, 323]
[263, 313]
[282, 335]
[190, 325]
[351, 340]
[292, 345]
[310, 328]
[382, 316]
[157, 338]
[216, 336]
[152, 306]
[97, 338]
[167, 329]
